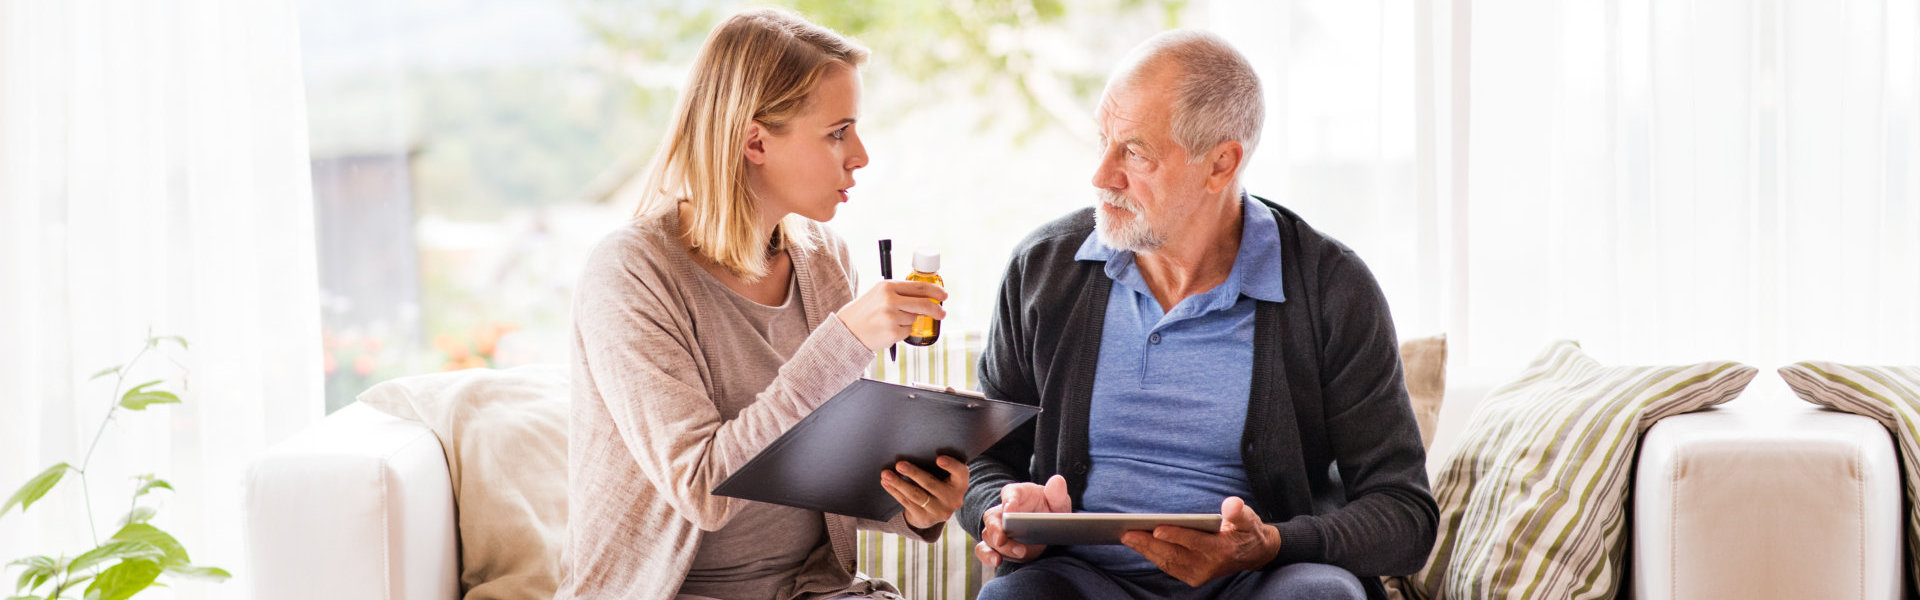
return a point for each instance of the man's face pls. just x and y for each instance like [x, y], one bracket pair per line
[1144, 182]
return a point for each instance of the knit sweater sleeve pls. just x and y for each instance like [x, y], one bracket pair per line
[1388, 524]
[640, 352]
[1004, 375]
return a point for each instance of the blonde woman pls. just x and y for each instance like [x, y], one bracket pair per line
[721, 316]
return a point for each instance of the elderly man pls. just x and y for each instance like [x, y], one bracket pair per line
[1205, 351]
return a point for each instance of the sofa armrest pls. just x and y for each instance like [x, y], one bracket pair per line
[359, 506]
[1767, 497]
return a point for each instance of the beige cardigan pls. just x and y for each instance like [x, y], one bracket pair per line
[647, 443]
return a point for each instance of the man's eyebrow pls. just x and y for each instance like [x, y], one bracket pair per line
[1130, 141]
[845, 121]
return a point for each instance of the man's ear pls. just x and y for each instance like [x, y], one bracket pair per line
[1225, 162]
[756, 143]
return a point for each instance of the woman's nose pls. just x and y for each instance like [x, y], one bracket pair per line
[858, 158]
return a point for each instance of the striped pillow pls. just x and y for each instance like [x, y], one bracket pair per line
[1890, 395]
[1533, 501]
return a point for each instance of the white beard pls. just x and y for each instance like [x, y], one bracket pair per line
[1133, 235]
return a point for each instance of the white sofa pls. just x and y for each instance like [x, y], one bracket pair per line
[1749, 500]
[359, 507]
[1767, 497]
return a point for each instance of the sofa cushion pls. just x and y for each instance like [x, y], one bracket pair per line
[1424, 361]
[1532, 502]
[1889, 395]
[505, 437]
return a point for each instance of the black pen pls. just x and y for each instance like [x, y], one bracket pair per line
[886, 272]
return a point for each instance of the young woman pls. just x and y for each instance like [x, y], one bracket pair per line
[721, 316]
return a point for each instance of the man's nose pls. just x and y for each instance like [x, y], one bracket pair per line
[1106, 176]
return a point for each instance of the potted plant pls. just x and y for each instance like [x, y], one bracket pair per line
[138, 554]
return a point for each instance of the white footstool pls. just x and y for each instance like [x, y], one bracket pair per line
[1767, 497]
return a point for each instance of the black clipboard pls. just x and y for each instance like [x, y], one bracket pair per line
[831, 460]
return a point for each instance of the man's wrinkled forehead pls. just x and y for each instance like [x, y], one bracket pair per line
[1118, 111]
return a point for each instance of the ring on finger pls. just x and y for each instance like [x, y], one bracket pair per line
[924, 501]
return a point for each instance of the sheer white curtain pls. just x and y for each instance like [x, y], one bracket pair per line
[153, 174]
[1663, 180]
[1671, 180]
[1348, 134]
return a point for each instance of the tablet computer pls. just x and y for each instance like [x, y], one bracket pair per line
[831, 460]
[1094, 529]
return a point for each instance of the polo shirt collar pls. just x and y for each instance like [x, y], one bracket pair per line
[1256, 265]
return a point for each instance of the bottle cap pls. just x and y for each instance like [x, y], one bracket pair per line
[926, 260]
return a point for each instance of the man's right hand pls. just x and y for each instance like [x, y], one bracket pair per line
[994, 545]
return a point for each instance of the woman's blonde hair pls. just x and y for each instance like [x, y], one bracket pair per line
[758, 65]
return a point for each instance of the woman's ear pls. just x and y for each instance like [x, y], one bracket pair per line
[756, 143]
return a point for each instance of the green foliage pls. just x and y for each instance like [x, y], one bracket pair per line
[123, 580]
[172, 553]
[139, 514]
[114, 551]
[139, 398]
[35, 488]
[137, 555]
[489, 140]
[38, 570]
[982, 48]
[213, 574]
[148, 484]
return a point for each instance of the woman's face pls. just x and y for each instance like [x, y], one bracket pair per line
[807, 168]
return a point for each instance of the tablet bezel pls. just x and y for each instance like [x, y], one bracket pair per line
[1095, 529]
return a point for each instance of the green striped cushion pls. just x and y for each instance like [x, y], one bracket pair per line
[1890, 395]
[1533, 501]
[943, 570]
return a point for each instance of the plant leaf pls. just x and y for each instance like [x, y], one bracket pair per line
[155, 340]
[197, 572]
[144, 386]
[35, 488]
[33, 561]
[25, 598]
[105, 372]
[125, 550]
[32, 577]
[123, 580]
[139, 514]
[60, 586]
[176, 554]
[148, 484]
[139, 398]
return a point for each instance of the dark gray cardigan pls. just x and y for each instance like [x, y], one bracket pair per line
[1331, 448]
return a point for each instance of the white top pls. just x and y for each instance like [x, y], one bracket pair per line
[926, 260]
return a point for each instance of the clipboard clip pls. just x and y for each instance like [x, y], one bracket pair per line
[949, 390]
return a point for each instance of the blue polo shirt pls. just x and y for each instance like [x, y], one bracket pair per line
[1170, 392]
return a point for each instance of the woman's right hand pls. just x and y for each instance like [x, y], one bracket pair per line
[884, 315]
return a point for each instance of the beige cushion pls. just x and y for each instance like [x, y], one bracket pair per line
[1425, 362]
[505, 437]
[1532, 503]
[1888, 395]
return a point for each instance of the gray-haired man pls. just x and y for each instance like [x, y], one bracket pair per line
[1206, 350]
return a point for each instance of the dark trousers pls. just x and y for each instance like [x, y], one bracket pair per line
[1066, 577]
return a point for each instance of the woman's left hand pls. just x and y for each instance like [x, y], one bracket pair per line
[928, 500]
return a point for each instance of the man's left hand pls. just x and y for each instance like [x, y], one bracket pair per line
[1196, 557]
